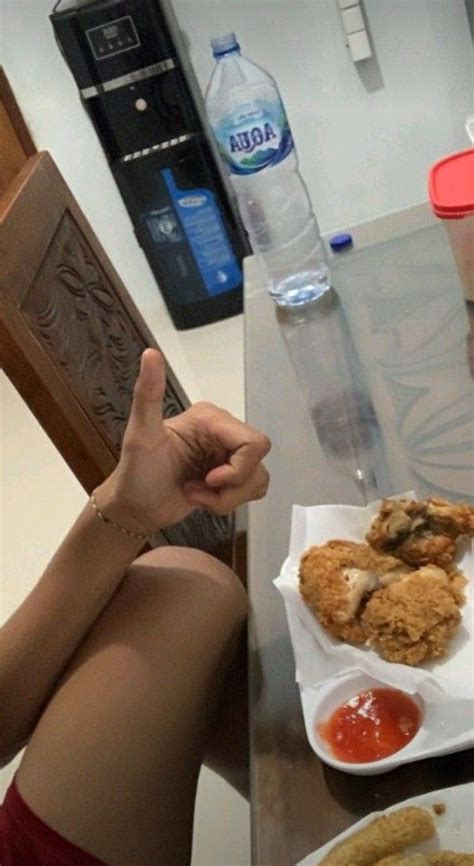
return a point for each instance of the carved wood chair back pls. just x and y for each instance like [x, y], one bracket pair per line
[71, 336]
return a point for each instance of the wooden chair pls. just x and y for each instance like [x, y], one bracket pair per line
[70, 335]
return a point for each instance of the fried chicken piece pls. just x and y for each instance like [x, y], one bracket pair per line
[449, 858]
[335, 580]
[383, 836]
[423, 532]
[457, 582]
[413, 620]
[419, 551]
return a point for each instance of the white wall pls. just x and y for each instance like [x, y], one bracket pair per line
[362, 154]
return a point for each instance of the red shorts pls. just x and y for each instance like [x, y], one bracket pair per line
[27, 841]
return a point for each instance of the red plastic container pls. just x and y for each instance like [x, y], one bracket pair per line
[451, 189]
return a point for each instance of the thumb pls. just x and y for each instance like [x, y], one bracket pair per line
[147, 406]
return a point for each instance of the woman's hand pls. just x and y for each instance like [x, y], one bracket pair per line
[204, 458]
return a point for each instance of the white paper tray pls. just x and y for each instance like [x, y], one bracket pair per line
[329, 672]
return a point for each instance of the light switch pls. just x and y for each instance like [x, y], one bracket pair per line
[352, 19]
[359, 46]
[344, 4]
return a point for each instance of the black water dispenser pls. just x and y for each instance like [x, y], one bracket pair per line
[137, 84]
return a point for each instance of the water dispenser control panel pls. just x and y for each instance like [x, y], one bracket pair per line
[112, 38]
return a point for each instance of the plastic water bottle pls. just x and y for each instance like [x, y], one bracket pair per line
[249, 121]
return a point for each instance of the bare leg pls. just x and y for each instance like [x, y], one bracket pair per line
[114, 761]
[227, 752]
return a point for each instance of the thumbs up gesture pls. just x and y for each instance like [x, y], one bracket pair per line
[203, 458]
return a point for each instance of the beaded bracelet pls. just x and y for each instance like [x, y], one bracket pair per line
[142, 535]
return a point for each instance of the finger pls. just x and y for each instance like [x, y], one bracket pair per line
[146, 416]
[225, 477]
[190, 487]
[234, 434]
[242, 463]
[228, 499]
[247, 448]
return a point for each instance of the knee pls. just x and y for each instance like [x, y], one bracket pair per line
[202, 573]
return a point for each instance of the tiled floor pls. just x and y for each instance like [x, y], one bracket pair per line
[39, 500]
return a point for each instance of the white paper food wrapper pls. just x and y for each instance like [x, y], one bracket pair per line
[319, 657]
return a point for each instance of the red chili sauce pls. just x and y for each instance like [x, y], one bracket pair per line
[372, 725]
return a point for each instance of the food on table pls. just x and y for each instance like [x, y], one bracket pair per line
[373, 725]
[413, 620]
[403, 860]
[457, 583]
[422, 532]
[382, 842]
[438, 858]
[401, 593]
[335, 580]
[385, 835]
[449, 858]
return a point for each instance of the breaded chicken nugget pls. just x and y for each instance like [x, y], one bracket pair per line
[421, 532]
[383, 836]
[335, 579]
[449, 858]
[413, 620]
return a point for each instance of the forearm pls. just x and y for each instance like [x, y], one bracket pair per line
[39, 639]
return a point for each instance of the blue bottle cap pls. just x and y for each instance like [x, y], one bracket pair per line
[340, 242]
[224, 44]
